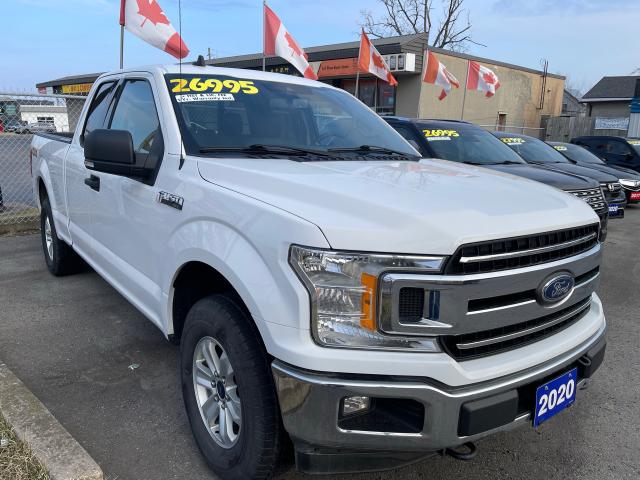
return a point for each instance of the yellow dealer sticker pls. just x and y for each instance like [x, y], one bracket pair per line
[560, 148]
[440, 133]
[213, 85]
[513, 140]
[634, 142]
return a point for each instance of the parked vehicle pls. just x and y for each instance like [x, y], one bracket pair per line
[618, 151]
[15, 126]
[324, 282]
[465, 142]
[38, 128]
[629, 179]
[537, 152]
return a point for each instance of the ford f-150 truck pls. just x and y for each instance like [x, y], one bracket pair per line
[328, 287]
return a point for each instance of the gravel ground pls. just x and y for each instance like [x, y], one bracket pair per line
[110, 378]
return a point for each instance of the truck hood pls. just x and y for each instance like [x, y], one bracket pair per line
[561, 180]
[601, 177]
[426, 207]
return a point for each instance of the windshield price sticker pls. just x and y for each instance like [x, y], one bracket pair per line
[634, 142]
[513, 140]
[560, 148]
[213, 85]
[437, 135]
[205, 97]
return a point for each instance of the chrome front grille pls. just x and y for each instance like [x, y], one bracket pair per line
[502, 309]
[525, 251]
[491, 342]
[593, 197]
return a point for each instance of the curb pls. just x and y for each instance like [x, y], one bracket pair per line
[52, 445]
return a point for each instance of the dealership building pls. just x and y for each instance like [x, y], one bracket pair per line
[526, 98]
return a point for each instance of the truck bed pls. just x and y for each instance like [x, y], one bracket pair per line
[65, 137]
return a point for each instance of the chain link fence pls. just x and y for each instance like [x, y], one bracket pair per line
[21, 116]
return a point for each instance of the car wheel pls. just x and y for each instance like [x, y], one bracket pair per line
[60, 258]
[228, 390]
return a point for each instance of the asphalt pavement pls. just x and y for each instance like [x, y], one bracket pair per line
[108, 375]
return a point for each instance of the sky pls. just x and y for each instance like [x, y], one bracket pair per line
[47, 39]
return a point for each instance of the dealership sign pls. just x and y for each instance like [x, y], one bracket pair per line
[612, 123]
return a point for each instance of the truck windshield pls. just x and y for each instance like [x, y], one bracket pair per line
[467, 144]
[533, 150]
[635, 144]
[218, 113]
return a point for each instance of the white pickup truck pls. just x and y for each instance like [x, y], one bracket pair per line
[329, 288]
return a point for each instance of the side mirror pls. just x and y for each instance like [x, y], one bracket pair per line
[111, 151]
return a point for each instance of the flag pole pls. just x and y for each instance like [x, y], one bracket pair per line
[264, 34]
[357, 81]
[464, 97]
[425, 60]
[122, 21]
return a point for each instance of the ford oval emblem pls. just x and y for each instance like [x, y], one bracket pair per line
[557, 288]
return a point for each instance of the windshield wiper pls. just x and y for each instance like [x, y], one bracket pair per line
[371, 149]
[265, 149]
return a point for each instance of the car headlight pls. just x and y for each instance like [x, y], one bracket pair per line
[630, 183]
[343, 287]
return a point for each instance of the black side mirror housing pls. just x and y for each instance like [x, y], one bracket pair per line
[111, 151]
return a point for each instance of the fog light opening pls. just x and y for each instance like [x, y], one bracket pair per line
[357, 404]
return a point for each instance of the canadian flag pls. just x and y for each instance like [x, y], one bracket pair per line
[278, 41]
[372, 62]
[483, 79]
[145, 19]
[438, 74]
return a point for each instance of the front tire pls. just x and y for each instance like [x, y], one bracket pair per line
[228, 390]
[60, 258]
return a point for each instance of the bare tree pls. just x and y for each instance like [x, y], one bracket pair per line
[448, 26]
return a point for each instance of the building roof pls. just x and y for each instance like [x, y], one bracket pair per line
[613, 89]
[70, 80]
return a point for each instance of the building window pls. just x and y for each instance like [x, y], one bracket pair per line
[46, 120]
[502, 122]
[375, 94]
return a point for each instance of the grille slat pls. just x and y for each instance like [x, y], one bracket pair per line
[502, 339]
[522, 251]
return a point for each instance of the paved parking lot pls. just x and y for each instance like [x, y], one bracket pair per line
[111, 379]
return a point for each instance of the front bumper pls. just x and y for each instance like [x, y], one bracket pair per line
[412, 415]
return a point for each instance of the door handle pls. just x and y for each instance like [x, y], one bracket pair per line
[93, 183]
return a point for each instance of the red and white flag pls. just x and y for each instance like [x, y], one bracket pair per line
[482, 79]
[371, 61]
[278, 41]
[437, 74]
[145, 19]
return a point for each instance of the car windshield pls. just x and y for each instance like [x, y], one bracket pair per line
[219, 113]
[577, 153]
[635, 143]
[533, 150]
[467, 144]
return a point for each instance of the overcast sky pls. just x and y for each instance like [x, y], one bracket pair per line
[47, 39]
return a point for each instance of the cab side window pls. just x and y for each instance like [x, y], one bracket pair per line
[136, 112]
[99, 108]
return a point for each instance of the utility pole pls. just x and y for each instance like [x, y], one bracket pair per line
[209, 53]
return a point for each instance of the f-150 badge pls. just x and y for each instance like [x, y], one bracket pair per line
[171, 200]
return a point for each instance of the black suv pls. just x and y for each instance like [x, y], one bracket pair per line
[629, 179]
[536, 152]
[464, 142]
[621, 151]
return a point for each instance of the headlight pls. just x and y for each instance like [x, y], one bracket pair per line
[343, 287]
[630, 183]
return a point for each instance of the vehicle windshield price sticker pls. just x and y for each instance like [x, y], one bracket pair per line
[560, 148]
[634, 142]
[555, 396]
[437, 135]
[213, 85]
[205, 97]
[513, 140]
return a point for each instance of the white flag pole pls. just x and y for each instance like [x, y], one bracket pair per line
[264, 35]
[122, 21]
[464, 97]
[425, 61]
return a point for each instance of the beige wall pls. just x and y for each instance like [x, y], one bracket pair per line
[518, 97]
